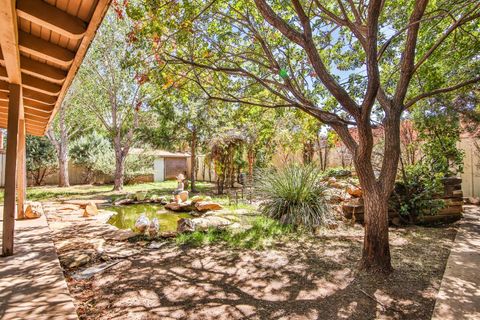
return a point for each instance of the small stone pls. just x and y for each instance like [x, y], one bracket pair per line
[156, 245]
[354, 191]
[78, 260]
[90, 210]
[33, 211]
[183, 196]
[142, 223]
[474, 200]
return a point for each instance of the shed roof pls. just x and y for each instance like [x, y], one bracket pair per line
[160, 153]
[43, 43]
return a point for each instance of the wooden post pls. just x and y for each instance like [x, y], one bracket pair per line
[14, 105]
[1, 139]
[21, 177]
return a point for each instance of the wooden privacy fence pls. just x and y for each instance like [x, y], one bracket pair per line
[2, 168]
[471, 167]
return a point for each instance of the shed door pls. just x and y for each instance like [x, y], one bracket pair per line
[174, 166]
[159, 170]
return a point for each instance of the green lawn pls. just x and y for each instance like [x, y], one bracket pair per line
[44, 193]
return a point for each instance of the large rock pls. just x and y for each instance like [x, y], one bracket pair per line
[204, 206]
[84, 203]
[201, 224]
[180, 207]
[196, 199]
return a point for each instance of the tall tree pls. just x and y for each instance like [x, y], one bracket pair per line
[390, 54]
[68, 123]
[112, 90]
[183, 118]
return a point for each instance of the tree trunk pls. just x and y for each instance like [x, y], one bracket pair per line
[308, 151]
[61, 147]
[120, 156]
[193, 160]
[63, 178]
[119, 173]
[251, 161]
[376, 250]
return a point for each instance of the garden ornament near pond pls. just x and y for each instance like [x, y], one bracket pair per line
[180, 194]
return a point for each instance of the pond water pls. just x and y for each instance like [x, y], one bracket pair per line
[127, 215]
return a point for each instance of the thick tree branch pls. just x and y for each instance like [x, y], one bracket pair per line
[414, 100]
[408, 56]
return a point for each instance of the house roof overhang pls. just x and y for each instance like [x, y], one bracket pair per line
[43, 43]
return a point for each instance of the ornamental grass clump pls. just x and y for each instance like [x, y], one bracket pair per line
[295, 195]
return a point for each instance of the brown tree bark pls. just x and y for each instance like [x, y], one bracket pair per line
[193, 160]
[120, 157]
[63, 177]
[61, 147]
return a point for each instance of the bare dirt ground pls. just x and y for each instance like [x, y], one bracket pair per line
[311, 278]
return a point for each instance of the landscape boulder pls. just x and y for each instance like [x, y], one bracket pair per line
[202, 224]
[180, 207]
[196, 199]
[204, 206]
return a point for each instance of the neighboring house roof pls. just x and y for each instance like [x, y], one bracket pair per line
[160, 153]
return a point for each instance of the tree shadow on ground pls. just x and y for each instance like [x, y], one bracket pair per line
[308, 279]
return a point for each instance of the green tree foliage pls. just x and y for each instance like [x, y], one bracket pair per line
[111, 89]
[438, 129]
[94, 153]
[41, 158]
[346, 63]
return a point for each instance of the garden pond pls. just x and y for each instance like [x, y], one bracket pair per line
[127, 215]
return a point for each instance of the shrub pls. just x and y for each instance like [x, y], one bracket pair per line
[41, 158]
[295, 195]
[415, 194]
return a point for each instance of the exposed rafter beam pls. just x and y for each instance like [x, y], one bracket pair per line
[32, 104]
[30, 125]
[46, 50]
[28, 109]
[38, 96]
[95, 21]
[40, 85]
[39, 70]
[39, 121]
[9, 40]
[51, 17]
[34, 83]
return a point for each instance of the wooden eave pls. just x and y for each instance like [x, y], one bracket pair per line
[43, 43]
